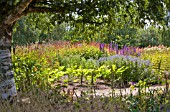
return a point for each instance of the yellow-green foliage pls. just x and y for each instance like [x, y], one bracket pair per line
[37, 69]
[160, 57]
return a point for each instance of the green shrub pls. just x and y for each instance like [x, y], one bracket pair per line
[136, 69]
[85, 51]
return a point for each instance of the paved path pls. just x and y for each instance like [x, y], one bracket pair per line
[124, 91]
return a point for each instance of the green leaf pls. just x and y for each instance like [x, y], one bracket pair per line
[113, 68]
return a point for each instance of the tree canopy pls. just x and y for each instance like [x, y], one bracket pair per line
[87, 11]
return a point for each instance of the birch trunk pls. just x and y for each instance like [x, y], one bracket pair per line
[7, 83]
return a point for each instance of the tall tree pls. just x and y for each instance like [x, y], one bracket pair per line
[77, 11]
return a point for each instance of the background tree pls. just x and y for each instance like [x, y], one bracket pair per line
[75, 11]
[37, 28]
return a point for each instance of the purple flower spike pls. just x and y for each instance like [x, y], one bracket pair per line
[130, 52]
[134, 49]
[110, 46]
[132, 83]
[125, 47]
[139, 54]
[116, 46]
[101, 47]
[121, 53]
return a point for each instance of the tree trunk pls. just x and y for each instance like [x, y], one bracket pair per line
[7, 83]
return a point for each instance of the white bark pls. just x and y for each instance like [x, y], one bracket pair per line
[7, 83]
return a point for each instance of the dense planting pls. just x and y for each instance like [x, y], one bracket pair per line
[51, 66]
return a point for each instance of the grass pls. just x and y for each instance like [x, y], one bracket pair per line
[53, 102]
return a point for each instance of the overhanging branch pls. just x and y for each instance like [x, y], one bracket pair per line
[22, 6]
[14, 15]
